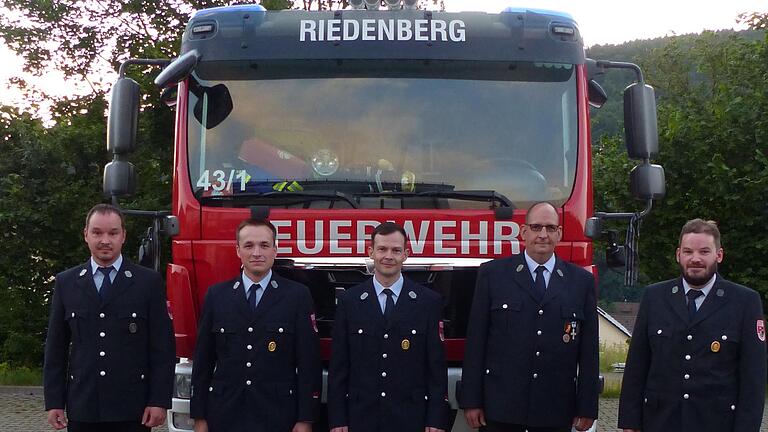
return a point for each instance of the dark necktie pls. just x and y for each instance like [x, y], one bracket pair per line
[692, 295]
[389, 306]
[253, 296]
[106, 284]
[540, 286]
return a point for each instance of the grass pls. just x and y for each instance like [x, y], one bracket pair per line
[20, 376]
[608, 356]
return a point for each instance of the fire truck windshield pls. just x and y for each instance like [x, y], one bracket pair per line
[354, 134]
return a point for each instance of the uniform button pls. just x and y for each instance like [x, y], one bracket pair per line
[221, 330]
[133, 315]
[142, 376]
[102, 354]
[250, 347]
[102, 334]
[725, 337]
[733, 407]
[280, 330]
[384, 355]
[658, 331]
[248, 364]
[538, 353]
[535, 376]
[73, 314]
[290, 392]
[426, 397]
[71, 377]
[686, 396]
[383, 394]
[386, 336]
[645, 400]
[538, 332]
[504, 306]
[689, 337]
[101, 315]
[248, 382]
[210, 389]
[359, 331]
[384, 374]
[413, 331]
[250, 329]
[541, 311]
[102, 373]
[687, 376]
[687, 356]
[487, 371]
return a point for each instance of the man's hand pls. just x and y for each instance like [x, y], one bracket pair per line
[153, 416]
[57, 419]
[475, 417]
[302, 427]
[340, 429]
[201, 425]
[431, 429]
[582, 423]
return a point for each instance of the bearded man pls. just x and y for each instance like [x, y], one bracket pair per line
[697, 360]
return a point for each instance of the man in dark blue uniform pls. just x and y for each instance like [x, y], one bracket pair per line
[257, 361]
[531, 357]
[697, 361]
[388, 369]
[109, 355]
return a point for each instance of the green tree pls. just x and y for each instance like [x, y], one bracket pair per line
[713, 127]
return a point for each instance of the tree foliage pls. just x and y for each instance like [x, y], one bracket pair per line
[713, 127]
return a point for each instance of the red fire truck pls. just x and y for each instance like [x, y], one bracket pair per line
[331, 122]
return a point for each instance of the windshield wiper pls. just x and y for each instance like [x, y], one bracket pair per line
[301, 196]
[466, 195]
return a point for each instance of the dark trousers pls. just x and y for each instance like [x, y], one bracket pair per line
[509, 427]
[75, 426]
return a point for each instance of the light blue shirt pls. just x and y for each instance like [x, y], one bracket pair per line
[704, 290]
[396, 288]
[263, 282]
[98, 277]
[533, 265]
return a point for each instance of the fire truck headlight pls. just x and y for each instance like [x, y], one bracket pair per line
[325, 162]
[372, 4]
[410, 4]
[182, 387]
[356, 4]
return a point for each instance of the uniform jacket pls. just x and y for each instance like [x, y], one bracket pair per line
[388, 378]
[708, 374]
[522, 363]
[256, 371]
[107, 360]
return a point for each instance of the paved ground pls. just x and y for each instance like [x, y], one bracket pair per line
[21, 410]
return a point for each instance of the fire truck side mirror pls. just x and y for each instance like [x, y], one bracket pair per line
[178, 70]
[596, 94]
[123, 117]
[647, 181]
[593, 228]
[640, 126]
[119, 178]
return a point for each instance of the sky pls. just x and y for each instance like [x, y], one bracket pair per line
[600, 22]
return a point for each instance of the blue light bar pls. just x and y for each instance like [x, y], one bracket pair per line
[236, 8]
[511, 9]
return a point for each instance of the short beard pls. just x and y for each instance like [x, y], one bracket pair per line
[699, 281]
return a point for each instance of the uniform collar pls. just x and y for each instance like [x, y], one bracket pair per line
[396, 287]
[117, 264]
[705, 289]
[264, 282]
[532, 265]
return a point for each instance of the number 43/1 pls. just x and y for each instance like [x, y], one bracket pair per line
[219, 180]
